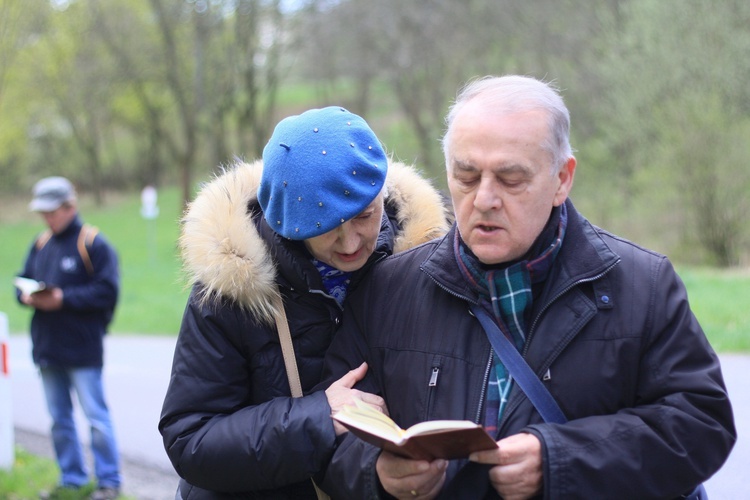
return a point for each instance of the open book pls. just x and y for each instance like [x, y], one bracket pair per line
[28, 286]
[429, 440]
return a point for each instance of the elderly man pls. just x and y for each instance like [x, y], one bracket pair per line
[603, 322]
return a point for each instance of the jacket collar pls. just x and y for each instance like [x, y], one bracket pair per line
[584, 256]
[73, 227]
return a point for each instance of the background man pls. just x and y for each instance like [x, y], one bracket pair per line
[603, 322]
[79, 270]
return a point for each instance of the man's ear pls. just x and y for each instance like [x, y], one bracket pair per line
[565, 176]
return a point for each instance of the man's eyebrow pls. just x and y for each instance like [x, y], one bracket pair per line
[462, 165]
[507, 168]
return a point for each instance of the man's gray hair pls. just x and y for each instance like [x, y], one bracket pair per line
[511, 94]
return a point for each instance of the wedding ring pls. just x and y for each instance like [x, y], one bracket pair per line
[414, 493]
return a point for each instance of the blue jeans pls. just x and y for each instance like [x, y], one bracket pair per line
[87, 383]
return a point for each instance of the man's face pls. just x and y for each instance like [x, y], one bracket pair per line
[500, 182]
[59, 219]
[348, 246]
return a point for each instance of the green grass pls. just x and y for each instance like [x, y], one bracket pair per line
[32, 474]
[28, 476]
[720, 300]
[152, 295]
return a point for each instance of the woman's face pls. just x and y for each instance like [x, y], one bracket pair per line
[348, 246]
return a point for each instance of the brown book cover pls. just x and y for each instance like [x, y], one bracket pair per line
[448, 439]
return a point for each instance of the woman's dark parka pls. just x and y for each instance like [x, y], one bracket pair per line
[229, 424]
[611, 335]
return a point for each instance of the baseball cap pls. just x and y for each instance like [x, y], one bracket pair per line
[50, 193]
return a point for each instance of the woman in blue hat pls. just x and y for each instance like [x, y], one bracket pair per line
[305, 224]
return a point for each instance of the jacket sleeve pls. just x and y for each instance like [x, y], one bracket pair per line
[351, 472]
[100, 292]
[679, 428]
[214, 437]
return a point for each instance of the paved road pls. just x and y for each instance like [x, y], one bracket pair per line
[136, 377]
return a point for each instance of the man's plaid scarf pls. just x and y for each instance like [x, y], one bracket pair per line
[507, 287]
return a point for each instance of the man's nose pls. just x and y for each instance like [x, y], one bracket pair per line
[487, 196]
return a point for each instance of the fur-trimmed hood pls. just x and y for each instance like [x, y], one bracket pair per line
[222, 249]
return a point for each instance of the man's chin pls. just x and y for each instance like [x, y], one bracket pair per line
[490, 254]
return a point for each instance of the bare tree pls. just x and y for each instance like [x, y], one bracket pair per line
[177, 61]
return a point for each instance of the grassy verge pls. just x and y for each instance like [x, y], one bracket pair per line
[720, 300]
[32, 474]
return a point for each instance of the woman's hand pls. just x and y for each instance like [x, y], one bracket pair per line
[340, 394]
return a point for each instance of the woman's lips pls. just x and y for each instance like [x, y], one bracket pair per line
[349, 257]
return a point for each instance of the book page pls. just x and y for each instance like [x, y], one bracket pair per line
[432, 426]
[28, 286]
[370, 419]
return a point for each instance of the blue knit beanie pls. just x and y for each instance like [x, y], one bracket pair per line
[320, 169]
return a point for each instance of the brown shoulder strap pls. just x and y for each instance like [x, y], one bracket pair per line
[42, 239]
[290, 362]
[85, 239]
[287, 348]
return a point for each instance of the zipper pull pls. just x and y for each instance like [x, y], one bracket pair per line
[434, 376]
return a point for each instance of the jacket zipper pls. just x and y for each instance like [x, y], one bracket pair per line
[434, 376]
[482, 394]
[431, 388]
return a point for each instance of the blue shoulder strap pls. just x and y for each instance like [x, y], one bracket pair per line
[519, 369]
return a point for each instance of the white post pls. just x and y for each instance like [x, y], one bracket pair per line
[7, 440]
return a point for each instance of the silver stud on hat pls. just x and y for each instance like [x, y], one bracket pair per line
[315, 130]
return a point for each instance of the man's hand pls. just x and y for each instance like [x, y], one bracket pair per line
[408, 479]
[49, 299]
[340, 394]
[518, 466]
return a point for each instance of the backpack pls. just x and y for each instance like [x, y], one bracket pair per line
[85, 240]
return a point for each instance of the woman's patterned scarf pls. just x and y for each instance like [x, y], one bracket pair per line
[335, 282]
[507, 287]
